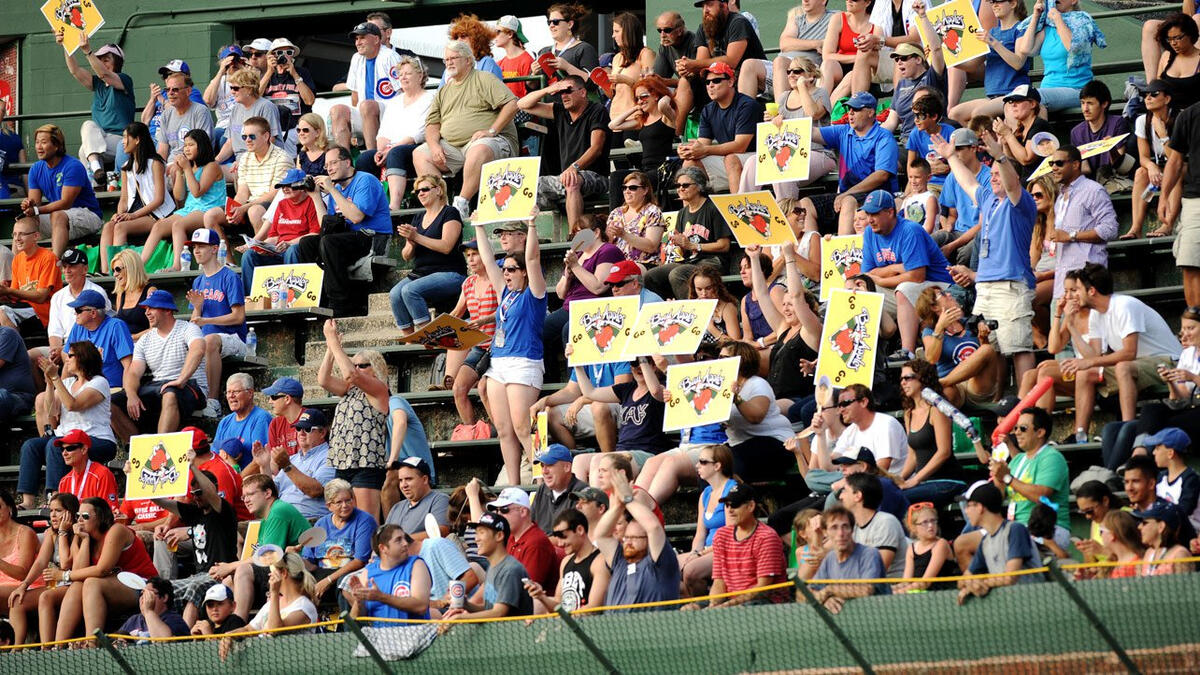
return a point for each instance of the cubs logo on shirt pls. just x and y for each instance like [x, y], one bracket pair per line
[385, 89]
[964, 351]
[402, 589]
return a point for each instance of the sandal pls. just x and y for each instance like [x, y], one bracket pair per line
[1161, 232]
[447, 383]
[1130, 235]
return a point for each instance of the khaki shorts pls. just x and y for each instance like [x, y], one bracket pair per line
[585, 422]
[1010, 303]
[1187, 235]
[976, 398]
[1145, 373]
[714, 166]
[909, 289]
[455, 157]
[81, 222]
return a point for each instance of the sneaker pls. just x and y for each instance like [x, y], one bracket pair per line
[213, 409]
[100, 177]
[463, 206]
[483, 431]
[463, 432]
[901, 355]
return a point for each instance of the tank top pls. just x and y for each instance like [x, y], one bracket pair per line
[656, 141]
[784, 366]
[11, 559]
[142, 189]
[759, 327]
[519, 319]
[133, 558]
[714, 513]
[847, 37]
[1184, 90]
[358, 437]
[215, 197]
[577, 581]
[921, 563]
[428, 261]
[923, 442]
[135, 317]
[312, 167]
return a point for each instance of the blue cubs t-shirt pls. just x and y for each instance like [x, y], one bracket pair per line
[221, 292]
[918, 142]
[955, 349]
[908, 244]
[112, 339]
[396, 581]
[69, 172]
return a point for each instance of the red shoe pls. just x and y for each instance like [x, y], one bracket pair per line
[463, 432]
[483, 431]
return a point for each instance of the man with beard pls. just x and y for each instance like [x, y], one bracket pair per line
[647, 569]
[419, 499]
[724, 36]
[583, 574]
[677, 43]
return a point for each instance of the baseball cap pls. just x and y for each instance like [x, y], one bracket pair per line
[234, 447]
[366, 28]
[206, 237]
[199, 438]
[228, 50]
[511, 496]
[217, 593]
[510, 226]
[1142, 441]
[622, 271]
[1154, 87]
[159, 299]
[282, 43]
[860, 100]
[557, 452]
[907, 49]
[986, 495]
[739, 494]
[285, 385]
[175, 66]
[73, 256]
[1044, 137]
[472, 245]
[292, 177]
[1172, 437]
[878, 201]
[719, 68]
[418, 464]
[700, 3]
[311, 417]
[88, 298]
[591, 494]
[72, 437]
[510, 22]
[1023, 92]
[493, 521]
[863, 455]
[1160, 510]
[964, 138]
[109, 48]
[260, 45]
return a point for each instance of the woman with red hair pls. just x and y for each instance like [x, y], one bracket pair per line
[652, 117]
[469, 29]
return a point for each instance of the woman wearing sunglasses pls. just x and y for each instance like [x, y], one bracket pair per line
[1152, 129]
[931, 473]
[701, 237]
[653, 118]
[1043, 255]
[102, 548]
[515, 376]
[967, 363]
[431, 243]
[569, 54]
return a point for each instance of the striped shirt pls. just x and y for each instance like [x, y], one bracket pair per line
[741, 563]
[260, 176]
[164, 356]
[481, 301]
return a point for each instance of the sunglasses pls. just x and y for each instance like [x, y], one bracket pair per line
[175, 90]
[706, 462]
[684, 186]
[235, 87]
[423, 190]
[568, 90]
[118, 270]
[249, 137]
[1022, 428]
[715, 80]
[559, 534]
[632, 187]
[555, 22]
[795, 71]
[503, 509]
[72, 447]
[506, 268]
[285, 52]
[664, 31]
[1154, 94]
[1087, 513]
[1037, 195]
[625, 282]
[1058, 163]
[848, 403]
[643, 97]
[81, 310]
[362, 366]
[800, 211]
[83, 517]
[906, 378]
[276, 397]
[303, 130]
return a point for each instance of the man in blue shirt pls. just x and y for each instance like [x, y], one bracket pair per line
[218, 307]
[71, 210]
[727, 128]
[246, 422]
[301, 477]
[900, 256]
[398, 583]
[110, 336]
[1004, 281]
[113, 105]
[958, 230]
[358, 201]
[868, 157]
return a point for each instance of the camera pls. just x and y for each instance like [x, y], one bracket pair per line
[975, 319]
[281, 58]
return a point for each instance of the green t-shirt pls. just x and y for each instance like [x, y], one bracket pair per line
[1048, 468]
[472, 105]
[112, 108]
[282, 526]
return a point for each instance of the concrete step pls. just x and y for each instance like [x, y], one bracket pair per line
[379, 303]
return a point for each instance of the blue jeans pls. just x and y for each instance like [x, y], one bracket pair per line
[1116, 443]
[937, 492]
[252, 259]
[38, 451]
[1058, 98]
[398, 162]
[411, 297]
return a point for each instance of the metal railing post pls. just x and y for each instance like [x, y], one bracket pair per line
[803, 589]
[1058, 576]
[107, 644]
[587, 641]
[353, 626]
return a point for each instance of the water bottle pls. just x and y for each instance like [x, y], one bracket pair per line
[185, 259]
[251, 343]
[1150, 193]
[222, 253]
[960, 420]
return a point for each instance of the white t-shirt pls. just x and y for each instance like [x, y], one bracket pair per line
[774, 425]
[301, 604]
[384, 81]
[1189, 360]
[62, 318]
[95, 421]
[885, 437]
[1157, 143]
[401, 121]
[164, 356]
[1128, 315]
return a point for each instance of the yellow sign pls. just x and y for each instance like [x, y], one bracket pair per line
[72, 17]
[508, 190]
[446, 332]
[600, 328]
[671, 327]
[699, 393]
[841, 258]
[849, 340]
[288, 285]
[783, 151]
[755, 219]
[158, 465]
[956, 23]
[1086, 150]
[539, 423]
[252, 528]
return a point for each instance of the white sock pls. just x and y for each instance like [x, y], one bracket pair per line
[95, 164]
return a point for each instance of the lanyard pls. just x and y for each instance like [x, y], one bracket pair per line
[558, 52]
[509, 299]
[87, 468]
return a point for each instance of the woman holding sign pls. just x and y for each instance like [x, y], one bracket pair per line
[1063, 36]
[756, 428]
[640, 422]
[515, 376]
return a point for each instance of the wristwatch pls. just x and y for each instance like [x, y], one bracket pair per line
[491, 131]
[1008, 479]
[627, 499]
[1074, 235]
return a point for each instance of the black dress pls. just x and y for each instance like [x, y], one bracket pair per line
[783, 371]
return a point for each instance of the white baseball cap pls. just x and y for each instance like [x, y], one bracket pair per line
[512, 496]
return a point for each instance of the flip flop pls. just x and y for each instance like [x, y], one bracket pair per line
[1160, 233]
[1129, 235]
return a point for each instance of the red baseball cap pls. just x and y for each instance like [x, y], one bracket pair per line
[199, 438]
[622, 271]
[73, 437]
[719, 68]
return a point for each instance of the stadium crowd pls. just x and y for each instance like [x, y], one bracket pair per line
[935, 182]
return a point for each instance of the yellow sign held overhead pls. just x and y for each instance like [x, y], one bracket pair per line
[600, 328]
[508, 190]
[670, 327]
[849, 340]
[72, 17]
[699, 393]
[841, 259]
[955, 22]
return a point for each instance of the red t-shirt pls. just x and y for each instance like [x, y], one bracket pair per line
[143, 510]
[518, 66]
[94, 481]
[229, 485]
[293, 221]
[534, 550]
[741, 563]
[281, 432]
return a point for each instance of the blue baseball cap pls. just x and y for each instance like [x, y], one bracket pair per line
[878, 201]
[310, 419]
[285, 385]
[234, 447]
[1161, 510]
[228, 50]
[205, 236]
[88, 298]
[160, 299]
[1172, 437]
[472, 245]
[292, 177]
[557, 452]
[862, 99]
[175, 66]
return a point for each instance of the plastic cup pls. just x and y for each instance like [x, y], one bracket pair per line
[772, 109]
